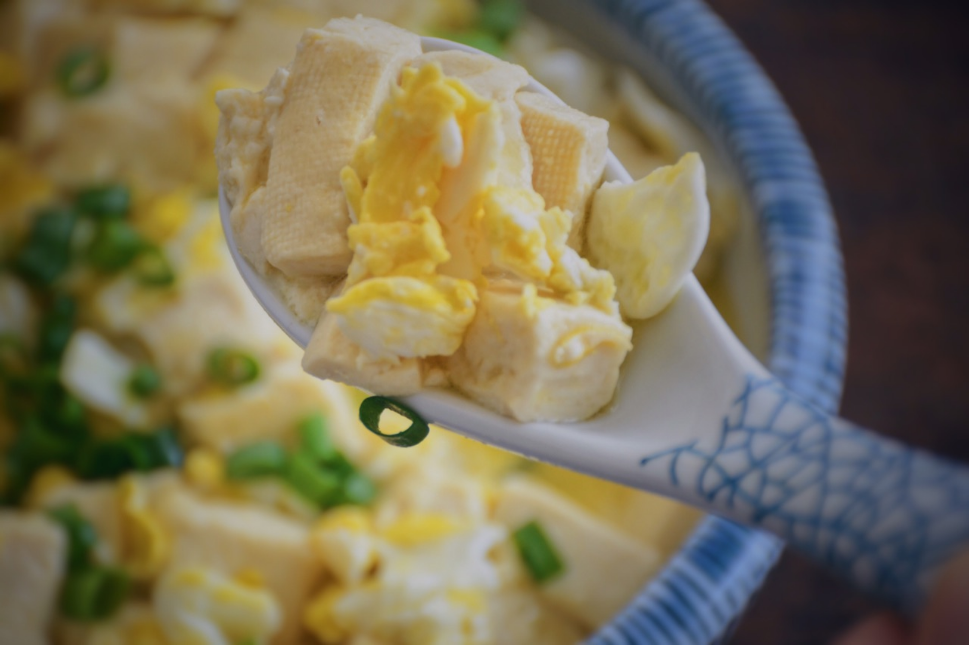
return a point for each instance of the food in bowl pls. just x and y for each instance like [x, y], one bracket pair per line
[462, 199]
[164, 471]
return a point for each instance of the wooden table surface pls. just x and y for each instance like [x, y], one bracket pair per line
[877, 87]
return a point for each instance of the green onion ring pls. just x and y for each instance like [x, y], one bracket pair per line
[82, 71]
[109, 201]
[144, 381]
[370, 416]
[152, 268]
[232, 367]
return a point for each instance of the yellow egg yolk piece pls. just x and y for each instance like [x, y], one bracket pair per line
[404, 316]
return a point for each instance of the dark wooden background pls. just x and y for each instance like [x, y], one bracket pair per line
[878, 88]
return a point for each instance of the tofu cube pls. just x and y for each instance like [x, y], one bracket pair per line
[33, 553]
[592, 551]
[531, 358]
[568, 154]
[320, 125]
[229, 538]
[331, 355]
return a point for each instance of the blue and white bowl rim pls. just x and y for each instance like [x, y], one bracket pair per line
[702, 591]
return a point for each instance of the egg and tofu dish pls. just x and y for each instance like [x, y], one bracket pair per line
[444, 207]
[169, 472]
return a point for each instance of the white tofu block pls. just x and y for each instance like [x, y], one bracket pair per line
[540, 359]
[603, 569]
[33, 552]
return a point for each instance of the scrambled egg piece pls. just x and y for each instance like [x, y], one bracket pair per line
[146, 545]
[649, 234]
[397, 242]
[431, 591]
[199, 606]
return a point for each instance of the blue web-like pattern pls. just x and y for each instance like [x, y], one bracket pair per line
[881, 513]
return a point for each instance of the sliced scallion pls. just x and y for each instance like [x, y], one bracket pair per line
[47, 252]
[312, 482]
[69, 413]
[166, 448]
[81, 536]
[315, 438]
[152, 268]
[94, 592]
[82, 71]
[56, 328]
[102, 460]
[144, 381]
[358, 489]
[115, 246]
[370, 416]
[538, 554]
[232, 367]
[257, 461]
[109, 201]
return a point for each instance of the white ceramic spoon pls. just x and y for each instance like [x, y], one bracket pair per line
[697, 418]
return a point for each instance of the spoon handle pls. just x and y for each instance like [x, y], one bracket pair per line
[884, 515]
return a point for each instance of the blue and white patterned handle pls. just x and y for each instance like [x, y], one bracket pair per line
[884, 515]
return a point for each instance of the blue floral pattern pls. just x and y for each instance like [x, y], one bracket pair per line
[881, 513]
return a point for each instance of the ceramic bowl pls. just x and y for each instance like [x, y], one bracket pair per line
[784, 273]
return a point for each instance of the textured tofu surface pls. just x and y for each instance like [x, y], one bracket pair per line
[32, 560]
[331, 355]
[230, 538]
[568, 155]
[336, 85]
[591, 551]
[533, 361]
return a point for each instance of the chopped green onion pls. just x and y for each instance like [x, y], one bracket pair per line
[82, 71]
[167, 450]
[501, 17]
[47, 252]
[257, 461]
[358, 489]
[39, 445]
[69, 414]
[152, 268]
[109, 201]
[538, 554]
[56, 329]
[370, 416]
[94, 593]
[103, 460]
[144, 381]
[340, 465]
[97, 460]
[81, 535]
[481, 40]
[315, 438]
[232, 367]
[140, 451]
[312, 482]
[115, 246]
